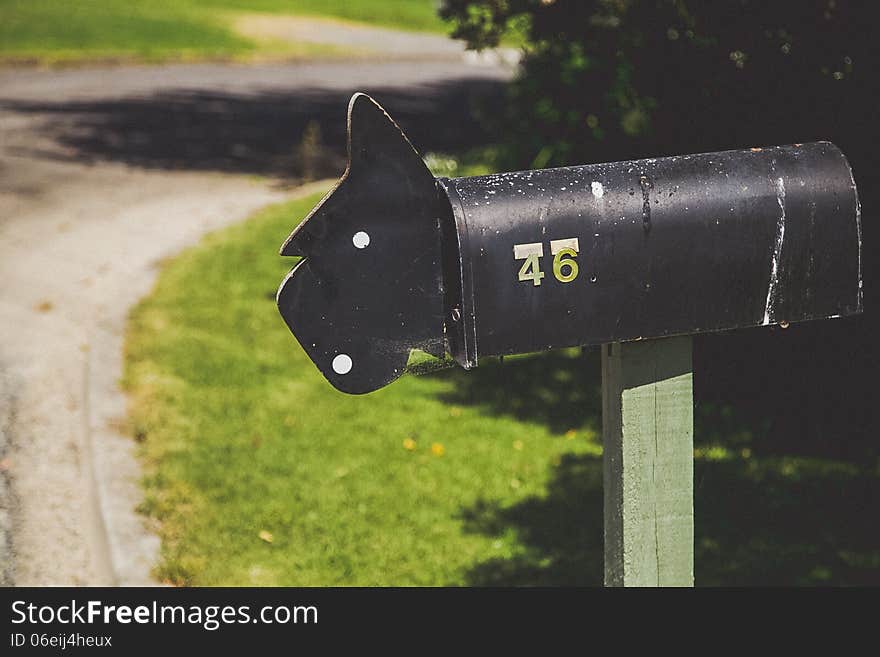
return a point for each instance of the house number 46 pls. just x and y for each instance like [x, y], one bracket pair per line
[564, 252]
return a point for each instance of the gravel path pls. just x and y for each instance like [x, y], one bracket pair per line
[88, 209]
[72, 261]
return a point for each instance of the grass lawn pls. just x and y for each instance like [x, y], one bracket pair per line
[66, 31]
[258, 472]
[418, 15]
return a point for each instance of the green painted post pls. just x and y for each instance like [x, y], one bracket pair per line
[648, 463]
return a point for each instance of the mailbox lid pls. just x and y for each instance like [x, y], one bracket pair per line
[661, 246]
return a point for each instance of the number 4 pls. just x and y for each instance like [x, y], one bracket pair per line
[532, 254]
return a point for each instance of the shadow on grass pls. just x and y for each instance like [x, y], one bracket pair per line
[560, 389]
[757, 522]
[559, 535]
[777, 516]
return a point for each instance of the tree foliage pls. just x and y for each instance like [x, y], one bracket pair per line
[603, 79]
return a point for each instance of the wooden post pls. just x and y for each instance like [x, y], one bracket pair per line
[648, 463]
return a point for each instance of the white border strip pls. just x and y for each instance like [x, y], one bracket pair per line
[557, 245]
[521, 251]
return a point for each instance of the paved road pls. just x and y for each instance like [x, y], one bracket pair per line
[103, 173]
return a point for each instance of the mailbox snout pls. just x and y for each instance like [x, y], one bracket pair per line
[394, 260]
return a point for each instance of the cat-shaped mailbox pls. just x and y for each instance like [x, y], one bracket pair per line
[393, 259]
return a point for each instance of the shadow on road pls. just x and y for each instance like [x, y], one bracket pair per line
[257, 133]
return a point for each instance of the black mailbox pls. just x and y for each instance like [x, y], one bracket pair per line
[395, 260]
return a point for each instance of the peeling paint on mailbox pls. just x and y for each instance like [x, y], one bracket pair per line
[394, 260]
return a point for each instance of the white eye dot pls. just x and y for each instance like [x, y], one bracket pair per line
[342, 364]
[361, 240]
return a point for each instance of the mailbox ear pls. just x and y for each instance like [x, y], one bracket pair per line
[378, 152]
[374, 139]
[369, 288]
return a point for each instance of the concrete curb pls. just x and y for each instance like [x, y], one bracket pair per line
[123, 545]
[125, 548]
[7, 500]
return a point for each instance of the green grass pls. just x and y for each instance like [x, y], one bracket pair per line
[157, 30]
[258, 472]
[60, 30]
[418, 15]
[241, 435]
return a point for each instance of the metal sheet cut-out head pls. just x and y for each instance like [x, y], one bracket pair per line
[368, 287]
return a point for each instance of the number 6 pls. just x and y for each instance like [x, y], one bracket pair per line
[560, 249]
